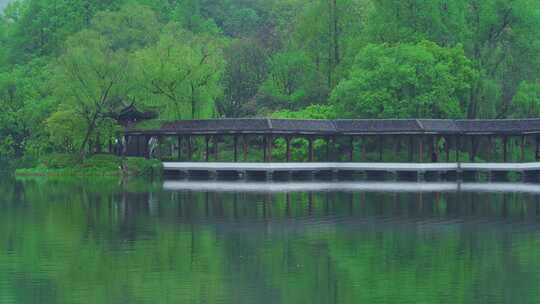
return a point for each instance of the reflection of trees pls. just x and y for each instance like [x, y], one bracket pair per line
[85, 242]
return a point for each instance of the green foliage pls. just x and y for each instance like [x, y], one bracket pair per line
[180, 74]
[404, 81]
[309, 112]
[60, 161]
[527, 100]
[98, 165]
[68, 67]
[290, 79]
[142, 167]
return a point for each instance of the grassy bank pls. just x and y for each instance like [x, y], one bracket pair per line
[97, 165]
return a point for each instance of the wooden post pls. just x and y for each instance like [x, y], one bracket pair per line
[158, 148]
[447, 148]
[216, 147]
[138, 144]
[457, 140]
[472, 155]
[146, 148]
[362, 148]
[110, 146]
[310, 148]
[537, 151]
[523, 143]
[189, 148]
[381, 143]
[265, 154]
[505, 148]
[179, 148]
[245, 146]
[270, 143]
[490, 148]
[235, 143]
[432, 152]
[421, 149]
[327, 149]
[351, 149]
[411, 147]
[207, 148]
[288, 152]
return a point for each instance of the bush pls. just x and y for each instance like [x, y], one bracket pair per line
[60, 161]
[142, 167]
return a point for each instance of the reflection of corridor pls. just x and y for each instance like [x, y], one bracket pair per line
[262, 187]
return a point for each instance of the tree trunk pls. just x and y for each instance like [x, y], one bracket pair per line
[89, 131]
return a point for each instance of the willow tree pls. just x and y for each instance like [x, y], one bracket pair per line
[181, 75]
[92, 79]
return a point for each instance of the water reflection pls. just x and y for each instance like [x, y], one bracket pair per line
[72, 241]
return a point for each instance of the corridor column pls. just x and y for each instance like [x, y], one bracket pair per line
[288, 152]
[310, 148]
[235, 143]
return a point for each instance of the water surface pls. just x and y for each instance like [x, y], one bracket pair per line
[72, 241]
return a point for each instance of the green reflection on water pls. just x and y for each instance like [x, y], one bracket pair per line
[99, 241]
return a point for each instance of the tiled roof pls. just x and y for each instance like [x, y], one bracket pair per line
[348, 127]
[361, 126]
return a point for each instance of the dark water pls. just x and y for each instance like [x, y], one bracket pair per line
[106, 242]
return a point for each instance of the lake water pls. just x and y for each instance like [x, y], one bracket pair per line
[72, 241]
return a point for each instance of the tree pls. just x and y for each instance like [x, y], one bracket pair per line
[93, 80]
[500, 37]
[290, 80]
[527, 101]
[43, 25]
[181, 75]
[245, 70]
[25, 102]
[420, 80]
[130, 28]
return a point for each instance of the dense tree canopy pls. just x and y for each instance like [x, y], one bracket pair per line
[408, 80]
[67, 67]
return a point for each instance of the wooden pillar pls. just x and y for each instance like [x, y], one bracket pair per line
[288, 151]
[328, 140]
[523, 143]
[411, 147]
[235, 143]
[505, 148]
[457, 142]
[146, 148]
[265, 154]
[351, 148]
[158, 146]
[421, 149]
[189, 148]
[537, 150]
[490, 148]
[270, 143]
[138, 144]
[179, 139]
[381, 143]
[207, 148]
[216, 147]
[432, 149]
[310, 148]
[447, 148]
[245, 146]
[362, 148]
[472, 155]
